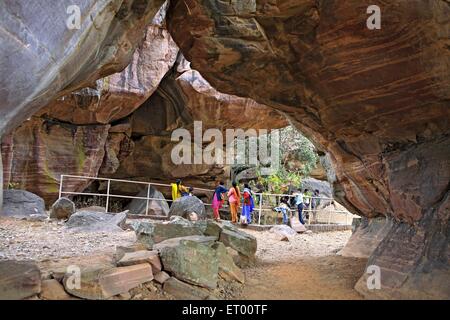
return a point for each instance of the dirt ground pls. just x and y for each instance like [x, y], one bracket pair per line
[47, 240]
[305, 267]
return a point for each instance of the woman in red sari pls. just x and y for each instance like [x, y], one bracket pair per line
[218, 200]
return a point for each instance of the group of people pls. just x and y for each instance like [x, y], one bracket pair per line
[301, 200]
[235, 196]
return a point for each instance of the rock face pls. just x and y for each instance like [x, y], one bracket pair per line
[56, 58]
[366, 237]
[41, 150]
[22, 204]
[349, 88]
[123, 126]
[184, 206]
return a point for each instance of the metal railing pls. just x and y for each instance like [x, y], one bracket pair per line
[261, 207]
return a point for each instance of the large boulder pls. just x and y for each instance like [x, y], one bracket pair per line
[150, 233]
[193, 262]
[155, 207]
[63, 208]
[22, 204]
[87, 221]
[184, 206]
[324, 187]
[242, 242]
[19, 279]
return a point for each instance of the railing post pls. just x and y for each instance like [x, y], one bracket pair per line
[260, 208]
[148, 196]
[60, 186]
[107, 195]
[329, 214]
[309, 212]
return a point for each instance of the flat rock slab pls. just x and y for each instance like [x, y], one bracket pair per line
[19, 279]
[143, 256]
[183, 291]
[242, 242]
[122, 279]
[152, 233]
[102, 283]
[193, 262]
[176, 241]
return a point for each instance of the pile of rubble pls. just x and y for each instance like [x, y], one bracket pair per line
[186, 260]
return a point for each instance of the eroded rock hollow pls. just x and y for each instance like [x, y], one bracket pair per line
[377, 101]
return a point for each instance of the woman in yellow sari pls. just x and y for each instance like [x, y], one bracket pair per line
[178, 190]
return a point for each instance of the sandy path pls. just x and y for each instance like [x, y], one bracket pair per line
[306, 267]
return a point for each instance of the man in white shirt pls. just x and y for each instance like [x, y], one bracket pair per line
[299, 204]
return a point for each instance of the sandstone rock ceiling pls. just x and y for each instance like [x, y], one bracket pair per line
[122, 126]
[376, 100]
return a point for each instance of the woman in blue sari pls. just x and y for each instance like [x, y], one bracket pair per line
[247, 206]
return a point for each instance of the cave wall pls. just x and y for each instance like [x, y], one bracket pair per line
[121, 127]
[376, 100]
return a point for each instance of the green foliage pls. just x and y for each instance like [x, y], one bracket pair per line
[13, 185]
[280, 181]
[298, 158]
[293, 145]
